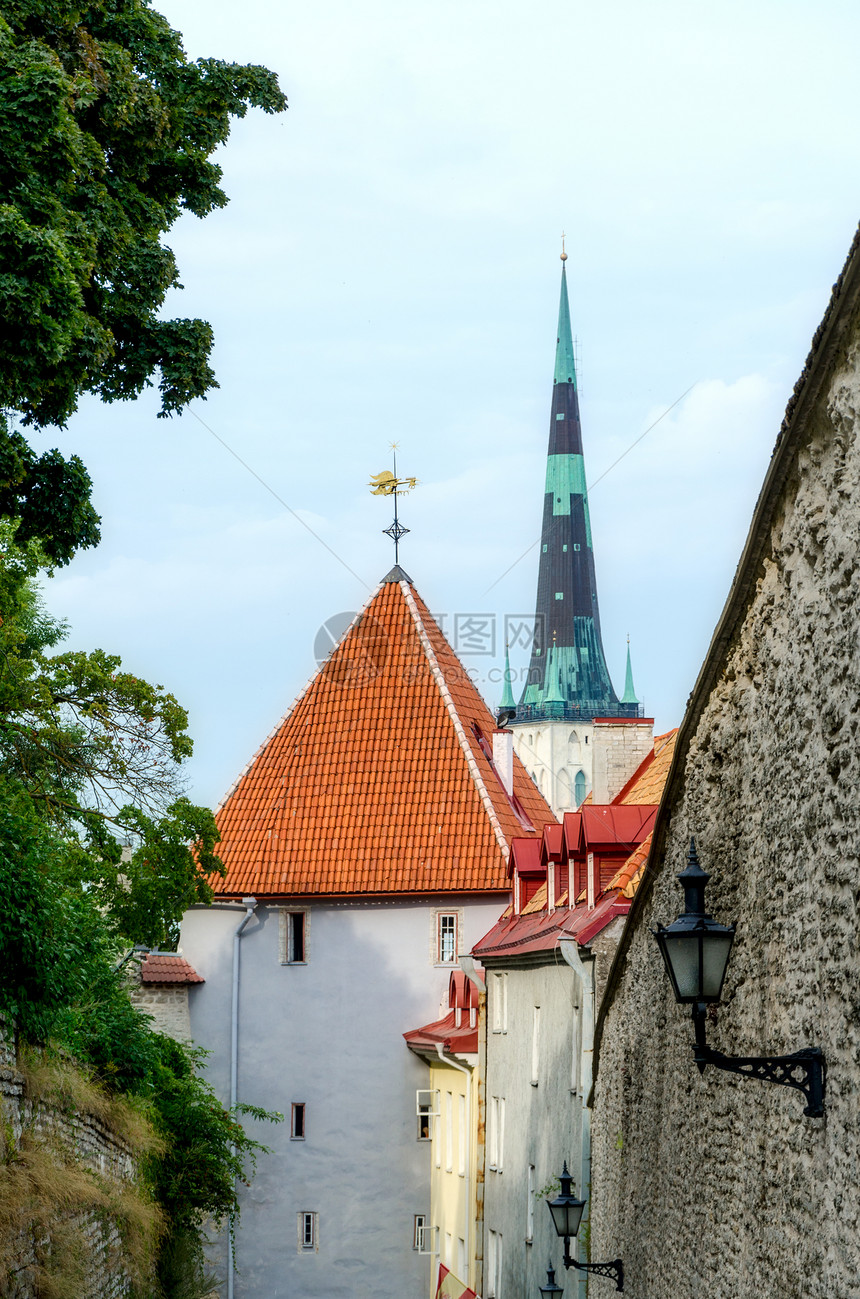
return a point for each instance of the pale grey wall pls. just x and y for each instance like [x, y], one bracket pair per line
[717, 1187]
[542, 1123]
[329, 1033]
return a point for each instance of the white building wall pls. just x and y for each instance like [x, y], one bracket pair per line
[542, 1108]
[554, 754]
[328, 1033]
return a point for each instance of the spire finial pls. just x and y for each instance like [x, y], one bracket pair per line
[563, 253]
[629, 696]
[388, 484]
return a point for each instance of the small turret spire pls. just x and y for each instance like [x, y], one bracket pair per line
[507, 704]
[629, 696]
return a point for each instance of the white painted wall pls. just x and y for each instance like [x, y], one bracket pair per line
[553, 753]
[329, 1033]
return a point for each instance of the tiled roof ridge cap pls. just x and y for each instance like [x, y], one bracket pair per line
[298, 699]
[459, 730]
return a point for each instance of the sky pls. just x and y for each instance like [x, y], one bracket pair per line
[387, 270]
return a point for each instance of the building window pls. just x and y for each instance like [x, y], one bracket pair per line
[426, 1110]
[496, 1133]
[449, 1132]
[560, 415]
[576, 545]
[308, 1232]
[297, 1121]
[559, 595]
[579, 786]
[535, 1046]
[544, 550]
[494, 1264]
[294, 926]
[419, 1224]
[447, 937]
[461, 1135]
[564, 547]
[500, 1003]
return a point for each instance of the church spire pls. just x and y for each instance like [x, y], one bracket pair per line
[576, 684]
[629, 696]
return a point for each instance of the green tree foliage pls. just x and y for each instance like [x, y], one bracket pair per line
[106, 132]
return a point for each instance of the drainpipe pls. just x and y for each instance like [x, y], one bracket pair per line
[467, 1147]
[569, 948]
[250, 905]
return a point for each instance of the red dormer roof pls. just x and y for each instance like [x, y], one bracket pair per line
[378, 780]
[525, 857]
[167, 967]
[609, 827]
[552, 844]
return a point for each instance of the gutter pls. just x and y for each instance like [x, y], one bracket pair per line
[250, 905]
[827, 340]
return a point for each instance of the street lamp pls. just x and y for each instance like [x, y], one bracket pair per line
[566, 1211]
[551, 1290]
[696, 951]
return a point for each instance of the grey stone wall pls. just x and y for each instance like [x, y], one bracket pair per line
[168, 1007]
[93, 1146]
[716, 1187]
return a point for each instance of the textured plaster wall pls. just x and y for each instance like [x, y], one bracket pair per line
[552, 753]
[542, 1118]
[329, 1033]
[715, 1187]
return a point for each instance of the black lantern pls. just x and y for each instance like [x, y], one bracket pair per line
[696, 952]
[695, 948]
[551, 1290]
[566, 1211]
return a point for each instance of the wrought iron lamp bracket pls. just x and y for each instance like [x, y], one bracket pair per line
[804, 1070]
[613, 1271]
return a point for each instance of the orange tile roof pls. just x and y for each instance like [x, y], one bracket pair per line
[628, 877]
[376, 781]
[167, 967]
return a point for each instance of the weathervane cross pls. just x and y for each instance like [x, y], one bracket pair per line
[388, 484]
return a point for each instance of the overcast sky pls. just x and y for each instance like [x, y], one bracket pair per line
[387, 270]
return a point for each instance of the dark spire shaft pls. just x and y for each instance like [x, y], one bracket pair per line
[566, 611]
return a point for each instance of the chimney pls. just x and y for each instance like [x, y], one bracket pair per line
[621, 745]
[503, 759]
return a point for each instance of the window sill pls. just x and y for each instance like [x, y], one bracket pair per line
[297, 1138]
[535, 1082]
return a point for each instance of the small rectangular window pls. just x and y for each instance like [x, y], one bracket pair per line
[576, 545]
[297, 1121]
[419, 1224]
[560, 415]
[449, 1132]
[308, 1225]
[461, 1135]
[564, 548]
[446, 947]
[559, 595]
[536, 1046]
[294, 937]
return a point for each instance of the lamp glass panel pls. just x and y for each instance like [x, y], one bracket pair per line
[682, 951]
[566, 1214]
[715, 958]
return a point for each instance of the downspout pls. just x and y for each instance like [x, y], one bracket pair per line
[250, 905]
[467, 1149]
[569, 949]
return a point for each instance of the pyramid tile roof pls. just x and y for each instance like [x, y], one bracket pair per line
[380, 779]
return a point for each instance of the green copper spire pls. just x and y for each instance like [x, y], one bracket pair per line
[565, 367]
[629, 696]
[507, 703]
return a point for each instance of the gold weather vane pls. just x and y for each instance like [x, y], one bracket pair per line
[388, 484]
[563, 253]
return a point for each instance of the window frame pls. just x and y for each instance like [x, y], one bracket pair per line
[287, 917]
[419, 1226]
[298, 1111]
[307, 1221]
[441, 918]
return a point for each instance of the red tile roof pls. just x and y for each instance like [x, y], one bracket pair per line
[444, 1033]
[167, 967]
[380, 778]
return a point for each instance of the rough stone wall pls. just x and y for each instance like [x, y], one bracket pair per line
[95, 1147]
[168, 1008]
[716, 1187]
